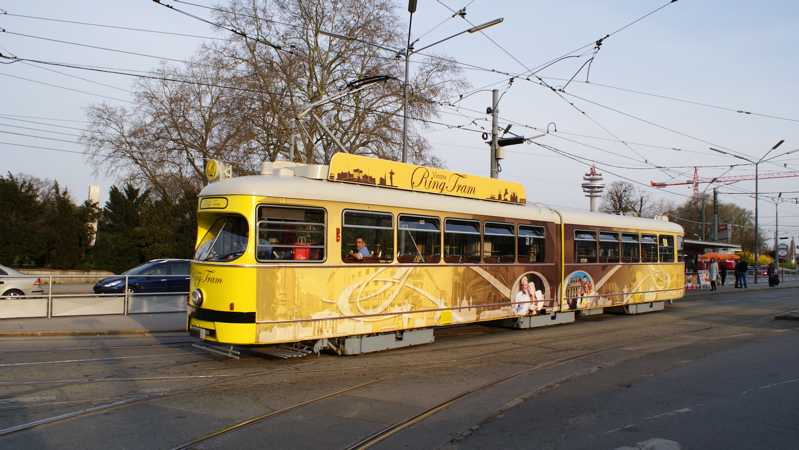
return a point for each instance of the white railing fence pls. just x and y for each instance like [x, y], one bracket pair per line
[62, 297]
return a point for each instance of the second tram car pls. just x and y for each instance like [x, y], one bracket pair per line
[275, 260]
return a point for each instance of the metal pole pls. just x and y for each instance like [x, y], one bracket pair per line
[715, 216]
[411, 10]
[494, 133]
[756, 223]
[703, 216]
[776, 223]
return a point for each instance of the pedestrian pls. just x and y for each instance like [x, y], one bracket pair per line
[740, 273]
[773, 278]
[723, 272]
[713, 273]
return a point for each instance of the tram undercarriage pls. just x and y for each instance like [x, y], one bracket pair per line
[358, 345]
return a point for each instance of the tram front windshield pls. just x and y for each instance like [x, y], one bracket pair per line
[226, 240]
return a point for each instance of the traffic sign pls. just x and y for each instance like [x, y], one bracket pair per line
[783, 252]
[782, 247]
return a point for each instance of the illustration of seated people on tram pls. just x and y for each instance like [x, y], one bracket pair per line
[529, 296]
[579, 291]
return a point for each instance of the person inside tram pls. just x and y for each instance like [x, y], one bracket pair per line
[360, 249]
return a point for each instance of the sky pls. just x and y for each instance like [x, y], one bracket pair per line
[669, 81]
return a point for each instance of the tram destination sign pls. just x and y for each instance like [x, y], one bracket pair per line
[391, 174]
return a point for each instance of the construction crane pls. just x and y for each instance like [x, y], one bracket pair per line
[698, 180]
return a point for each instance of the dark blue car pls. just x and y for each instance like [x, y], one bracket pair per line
[160, 275]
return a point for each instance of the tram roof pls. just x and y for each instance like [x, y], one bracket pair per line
[611, 220]
[287, 184]
[297, 187]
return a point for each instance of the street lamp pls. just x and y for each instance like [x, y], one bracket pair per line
[776, 200]
[408, 51]
[757, 163]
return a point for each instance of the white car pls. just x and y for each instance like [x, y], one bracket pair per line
[15, 284]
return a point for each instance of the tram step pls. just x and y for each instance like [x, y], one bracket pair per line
[284, 352]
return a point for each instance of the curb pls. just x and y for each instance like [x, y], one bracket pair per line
[84, 333]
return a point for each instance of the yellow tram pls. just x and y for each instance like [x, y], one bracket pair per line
[276, 260]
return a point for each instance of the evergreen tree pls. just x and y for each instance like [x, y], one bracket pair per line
[67, 230]
[118, 246]
[169, 230]
[20, 223]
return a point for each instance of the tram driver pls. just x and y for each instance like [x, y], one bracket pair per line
[360, 249]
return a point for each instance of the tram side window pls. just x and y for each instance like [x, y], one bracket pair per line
[666, 248]
[630, 248]
[531, 244]
[498, 243]
[419, 239]
[609, 247]
[462, 241]
[226, 240]
[287, 233]
[585, 246]
[377, 231]
[649, 248]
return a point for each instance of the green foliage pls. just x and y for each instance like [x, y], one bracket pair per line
[67, 230]
[169, 230]
[43, 227]
[21, 212]
[117, 247]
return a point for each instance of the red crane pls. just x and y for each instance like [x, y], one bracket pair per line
[698, 180]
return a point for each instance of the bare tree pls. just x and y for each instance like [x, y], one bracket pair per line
[661, 207]
[622, 197]
[236, 101]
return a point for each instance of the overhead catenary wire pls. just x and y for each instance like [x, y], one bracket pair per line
[445, 124]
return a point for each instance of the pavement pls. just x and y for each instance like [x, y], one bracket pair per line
[175, 322]
[110, 324]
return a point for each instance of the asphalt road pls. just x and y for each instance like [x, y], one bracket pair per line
[68, 288]
[711, 371]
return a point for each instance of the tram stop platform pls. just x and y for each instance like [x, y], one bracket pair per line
[175, 322]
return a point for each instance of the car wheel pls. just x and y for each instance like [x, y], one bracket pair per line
[13, 293]
[131, 290]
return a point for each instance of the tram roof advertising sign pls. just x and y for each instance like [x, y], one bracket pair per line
[391, 174]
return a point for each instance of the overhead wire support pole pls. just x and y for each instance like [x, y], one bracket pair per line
[410, 50]
[494, 133]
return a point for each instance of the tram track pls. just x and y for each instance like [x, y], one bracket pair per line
[463, 333]
[367, 363]
[431, 411]
[434, 409]
[130, 400]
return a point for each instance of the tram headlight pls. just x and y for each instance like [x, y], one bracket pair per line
[196, 298]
